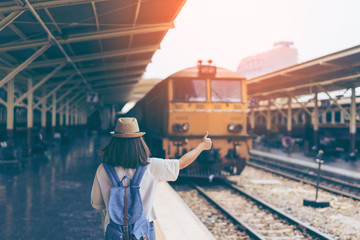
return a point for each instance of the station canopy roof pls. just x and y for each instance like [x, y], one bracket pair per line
[339, 70]
[82, 46]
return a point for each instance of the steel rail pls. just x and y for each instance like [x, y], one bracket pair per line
[332, 179]
[289, 176]
[249, 230]
[314, 232]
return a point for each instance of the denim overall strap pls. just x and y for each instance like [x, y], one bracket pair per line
[138, 175]
[110, 170]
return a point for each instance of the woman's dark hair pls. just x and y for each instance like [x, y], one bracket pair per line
[126, 152]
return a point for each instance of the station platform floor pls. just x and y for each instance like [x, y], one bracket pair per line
[49, 198]
[349, 168]
[176, 221]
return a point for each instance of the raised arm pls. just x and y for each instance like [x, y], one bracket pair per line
[190, 156]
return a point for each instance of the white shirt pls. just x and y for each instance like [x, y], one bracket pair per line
[158, 170]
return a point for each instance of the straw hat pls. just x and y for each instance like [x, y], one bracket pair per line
[127, 128]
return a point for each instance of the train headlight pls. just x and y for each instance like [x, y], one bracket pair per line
[177, 127]
[185, 127]
[235, 128]
[231, 127]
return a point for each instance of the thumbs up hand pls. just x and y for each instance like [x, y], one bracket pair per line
[206, 142]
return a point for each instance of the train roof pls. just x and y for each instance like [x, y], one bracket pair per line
[193, 72]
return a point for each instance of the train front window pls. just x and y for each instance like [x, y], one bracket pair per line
[189, 90]
[225, 91]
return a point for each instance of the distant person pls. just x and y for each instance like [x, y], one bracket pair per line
[128, 152]
[38, 145]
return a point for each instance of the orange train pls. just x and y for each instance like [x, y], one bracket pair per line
[178, 111]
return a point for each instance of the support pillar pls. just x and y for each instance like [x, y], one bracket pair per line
[30, 113]
[85, 117]
[82, 118]
[252, 120]
[289, 118]
[268, 117]
[43, 111]
[72, 119]
[268, 124]
[76, 116]
[53, 115]
[10, 111]
[315, 116]
[352, 120]
[67, 114]
[79, 117]
[61, 118]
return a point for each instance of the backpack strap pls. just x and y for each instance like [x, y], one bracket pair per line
[110, 170]
[139, 175]
[126, 215]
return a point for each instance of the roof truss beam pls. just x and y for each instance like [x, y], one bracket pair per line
[107, 67]
[88, 36]
[70, 100]
[105, 78]
[9, 19]
[54, 40]
[122, 86]
[68, 92]
[319, 61]
[309, 85]
[50, 75]
[11, 7]
[44, 98]
[115, 83]
[321, 88]
[26, 63]
[95, 56]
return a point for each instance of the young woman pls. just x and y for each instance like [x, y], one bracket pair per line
[126, 151]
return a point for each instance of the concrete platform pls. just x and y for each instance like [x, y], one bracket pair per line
[338, 166]
[48, 197]
[176, 221]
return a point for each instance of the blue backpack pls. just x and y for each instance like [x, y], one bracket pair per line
[127, 218]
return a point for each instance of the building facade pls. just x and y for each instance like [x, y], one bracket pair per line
[281, 56]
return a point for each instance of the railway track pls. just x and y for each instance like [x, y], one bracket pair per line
[257, 218]
[218, 223]
[334, 184]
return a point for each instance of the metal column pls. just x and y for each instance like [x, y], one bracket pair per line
[53, 115]
[30, 112]
[67, 114]
[85, 117]
[43, 110]
[72, 119]
[316, 122]
[268, 123]
[352, 120]
[76, 121]
[289, 118]
[252, 119]
[10, 110]
[61, 117]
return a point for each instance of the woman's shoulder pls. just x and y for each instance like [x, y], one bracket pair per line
[155, 160]
[100, 169]
[158, 162]
[164, 169]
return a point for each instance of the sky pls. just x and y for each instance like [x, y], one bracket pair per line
[227, 31]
